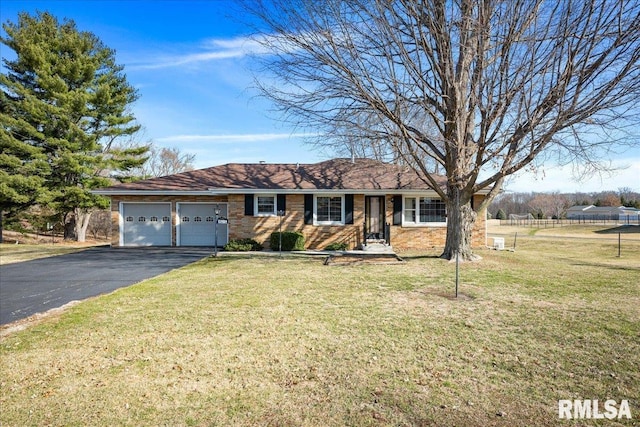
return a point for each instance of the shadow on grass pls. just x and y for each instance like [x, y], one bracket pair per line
[224, 256]
[625, 229]
[600, 265]
[448, 294]
[609, 267]
[420, 257]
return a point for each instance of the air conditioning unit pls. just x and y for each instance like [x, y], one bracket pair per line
[498, 243]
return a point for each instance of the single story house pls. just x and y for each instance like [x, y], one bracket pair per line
[592, 212]
[340, 200]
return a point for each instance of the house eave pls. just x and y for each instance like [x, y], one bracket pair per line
[151, 193]
[227, 191]
[368, 192]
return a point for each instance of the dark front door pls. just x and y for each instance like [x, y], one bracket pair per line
[374, 217]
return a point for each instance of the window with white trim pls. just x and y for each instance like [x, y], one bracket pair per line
[329, 210]
[424, 210]
[410, 209]
[265, 204]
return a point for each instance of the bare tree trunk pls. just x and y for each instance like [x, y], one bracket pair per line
[460, 221]
[82, 222]
[69, 224]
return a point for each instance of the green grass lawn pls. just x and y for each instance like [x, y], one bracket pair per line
[265, 341]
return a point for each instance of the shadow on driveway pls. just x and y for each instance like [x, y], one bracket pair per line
[31, 287]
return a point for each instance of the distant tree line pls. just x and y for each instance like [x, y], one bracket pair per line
[555, 205]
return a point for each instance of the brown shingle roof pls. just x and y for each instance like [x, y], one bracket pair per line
[336, 174]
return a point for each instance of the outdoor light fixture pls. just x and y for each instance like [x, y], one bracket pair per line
[215, 233]
[281, 215]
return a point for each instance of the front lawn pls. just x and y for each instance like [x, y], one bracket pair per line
[239, 340]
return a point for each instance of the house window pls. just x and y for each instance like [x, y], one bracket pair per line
[185, 219]
[265, 205]
[210, 219]
[432, 210]
[424, 210]
[129, 219]
[410, 209]
[142, 219]
[197, 219]
[166, 218]
[329, 210]
[154, 219]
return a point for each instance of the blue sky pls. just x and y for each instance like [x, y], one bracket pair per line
[188, 61]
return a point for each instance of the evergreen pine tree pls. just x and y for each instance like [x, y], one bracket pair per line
[65, 102]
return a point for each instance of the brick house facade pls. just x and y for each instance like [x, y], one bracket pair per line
[333, 201]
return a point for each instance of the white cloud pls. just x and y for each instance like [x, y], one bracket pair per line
[184, 60]
[212, 50]
[207, 51]
[239, 45]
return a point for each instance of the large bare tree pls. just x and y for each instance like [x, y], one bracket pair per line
[481, 88]
[164, 161]
[549, 204]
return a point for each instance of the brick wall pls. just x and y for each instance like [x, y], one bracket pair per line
[407, 238]
[316, 237]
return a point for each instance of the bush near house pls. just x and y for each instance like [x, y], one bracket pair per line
[336, 246]
[243, 245]
[291, 241]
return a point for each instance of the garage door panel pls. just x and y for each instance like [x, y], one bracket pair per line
[197, 224]
[146, 224]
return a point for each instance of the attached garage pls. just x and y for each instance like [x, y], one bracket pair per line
[197, 222]
[146, 224]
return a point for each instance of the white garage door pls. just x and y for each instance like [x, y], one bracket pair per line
[146, 224]
[197, 224]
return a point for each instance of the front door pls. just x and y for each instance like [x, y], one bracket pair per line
[374, 217]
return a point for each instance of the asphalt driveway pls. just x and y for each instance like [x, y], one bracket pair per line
[36, 286]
